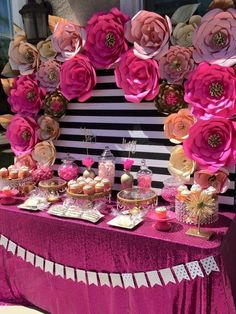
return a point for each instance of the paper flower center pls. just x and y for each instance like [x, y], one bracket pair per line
[29, 56]
[56, 106]
[219, 39]
[110, 40]
[52, 76]
[31, 95]
[171, 98]
[214, 140]
[212, 180]
[26, 135]
[176, 64]
[216, 89]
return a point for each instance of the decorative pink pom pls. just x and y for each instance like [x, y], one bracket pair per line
[42, 173]
[128, 163]
[87, 162]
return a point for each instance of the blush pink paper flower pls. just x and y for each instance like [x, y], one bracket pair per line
[26, 96]
[128, 163]
[138, 78]
[87, 162]
[77, 78]
[219, 180]
[44, 153]
[49, 128]
[105, 38]
[212, 143]
[211, 90]
[22, 55]
[150, 33]
[48, 75]
[67, 40]
[214, 40]
[176, 64]
[22, 134]
[25, 160]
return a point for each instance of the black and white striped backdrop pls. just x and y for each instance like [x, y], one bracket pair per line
[111, 119]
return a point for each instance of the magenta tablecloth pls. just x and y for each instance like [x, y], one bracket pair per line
[101, 248]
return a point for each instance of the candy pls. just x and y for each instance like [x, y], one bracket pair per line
[68, 172]
[144, 181]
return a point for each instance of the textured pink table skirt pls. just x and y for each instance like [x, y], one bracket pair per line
[101, 248]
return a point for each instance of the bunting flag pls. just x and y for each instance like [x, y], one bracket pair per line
[149, 279]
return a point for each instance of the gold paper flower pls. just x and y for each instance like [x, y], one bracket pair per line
[44, 153]
[170, 98]
[49, 128]
[177, 125]
[200, 206]
[55, 105]
[221, 4]
[45, 50]
[180, 165]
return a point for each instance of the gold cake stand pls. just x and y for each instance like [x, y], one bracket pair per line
[136, 199]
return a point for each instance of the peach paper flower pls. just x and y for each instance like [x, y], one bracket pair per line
[150, 33]
[219, 180]
[23, 56]
[44, 153]
[177, 125]
[48, 128]
[45, 50]
[180, 165]
[25, 160]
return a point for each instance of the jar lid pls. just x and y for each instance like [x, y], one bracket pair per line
[144, 169]
[107, 154]
[68, 158]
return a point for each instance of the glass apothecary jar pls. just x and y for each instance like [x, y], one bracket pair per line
[68, 170]
[144, 176]
[106, 165]
[170, 189]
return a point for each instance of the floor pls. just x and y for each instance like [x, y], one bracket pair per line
[17, 310]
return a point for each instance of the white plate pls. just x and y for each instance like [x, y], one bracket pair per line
[117, 222]
[88, 216]
[35, 208]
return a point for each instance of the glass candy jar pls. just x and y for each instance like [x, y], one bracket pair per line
[144, 176]
[169, 191]
[68, 170]
[106, 165]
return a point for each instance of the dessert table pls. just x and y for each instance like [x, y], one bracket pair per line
[66, 266]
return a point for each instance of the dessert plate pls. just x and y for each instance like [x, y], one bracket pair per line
[124, 222]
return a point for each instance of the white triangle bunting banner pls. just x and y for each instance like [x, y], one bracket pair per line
[194, 269]
[128, 280]
[104, 279]
[92, 278]
[209, 264]
[21, 252]
[11, 247]
[116, 280]
[48, 268]
[153, 278]
[30, 257]
[180, 272]
[167, 276]
[59, 270]
[39, 262]
[140, 279]
[81, 276]
[3, 241]
[70, 273]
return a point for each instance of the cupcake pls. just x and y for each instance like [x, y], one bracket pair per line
[74, 188]
[81, 184]
[12, 167]
[71, 182]
[88, 189]
[13, 174]
[99, 187]
[23, 172]
[161, 212]
[80, 179]
[3, 173]
[107, 184]
[97, 179]
[89, 180]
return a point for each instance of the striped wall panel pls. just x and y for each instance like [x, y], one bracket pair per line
[111, 119]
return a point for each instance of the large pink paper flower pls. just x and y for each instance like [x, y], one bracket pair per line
[219, 180]
[67, 40]
[214, 40]
[22, 55]
[211, 90]
[105, 38]
[150, 33]
[48, 75]
[77, 78]
[22, 134]
[212, 143]
[138, 78]
[26, 96]
[176, 64]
